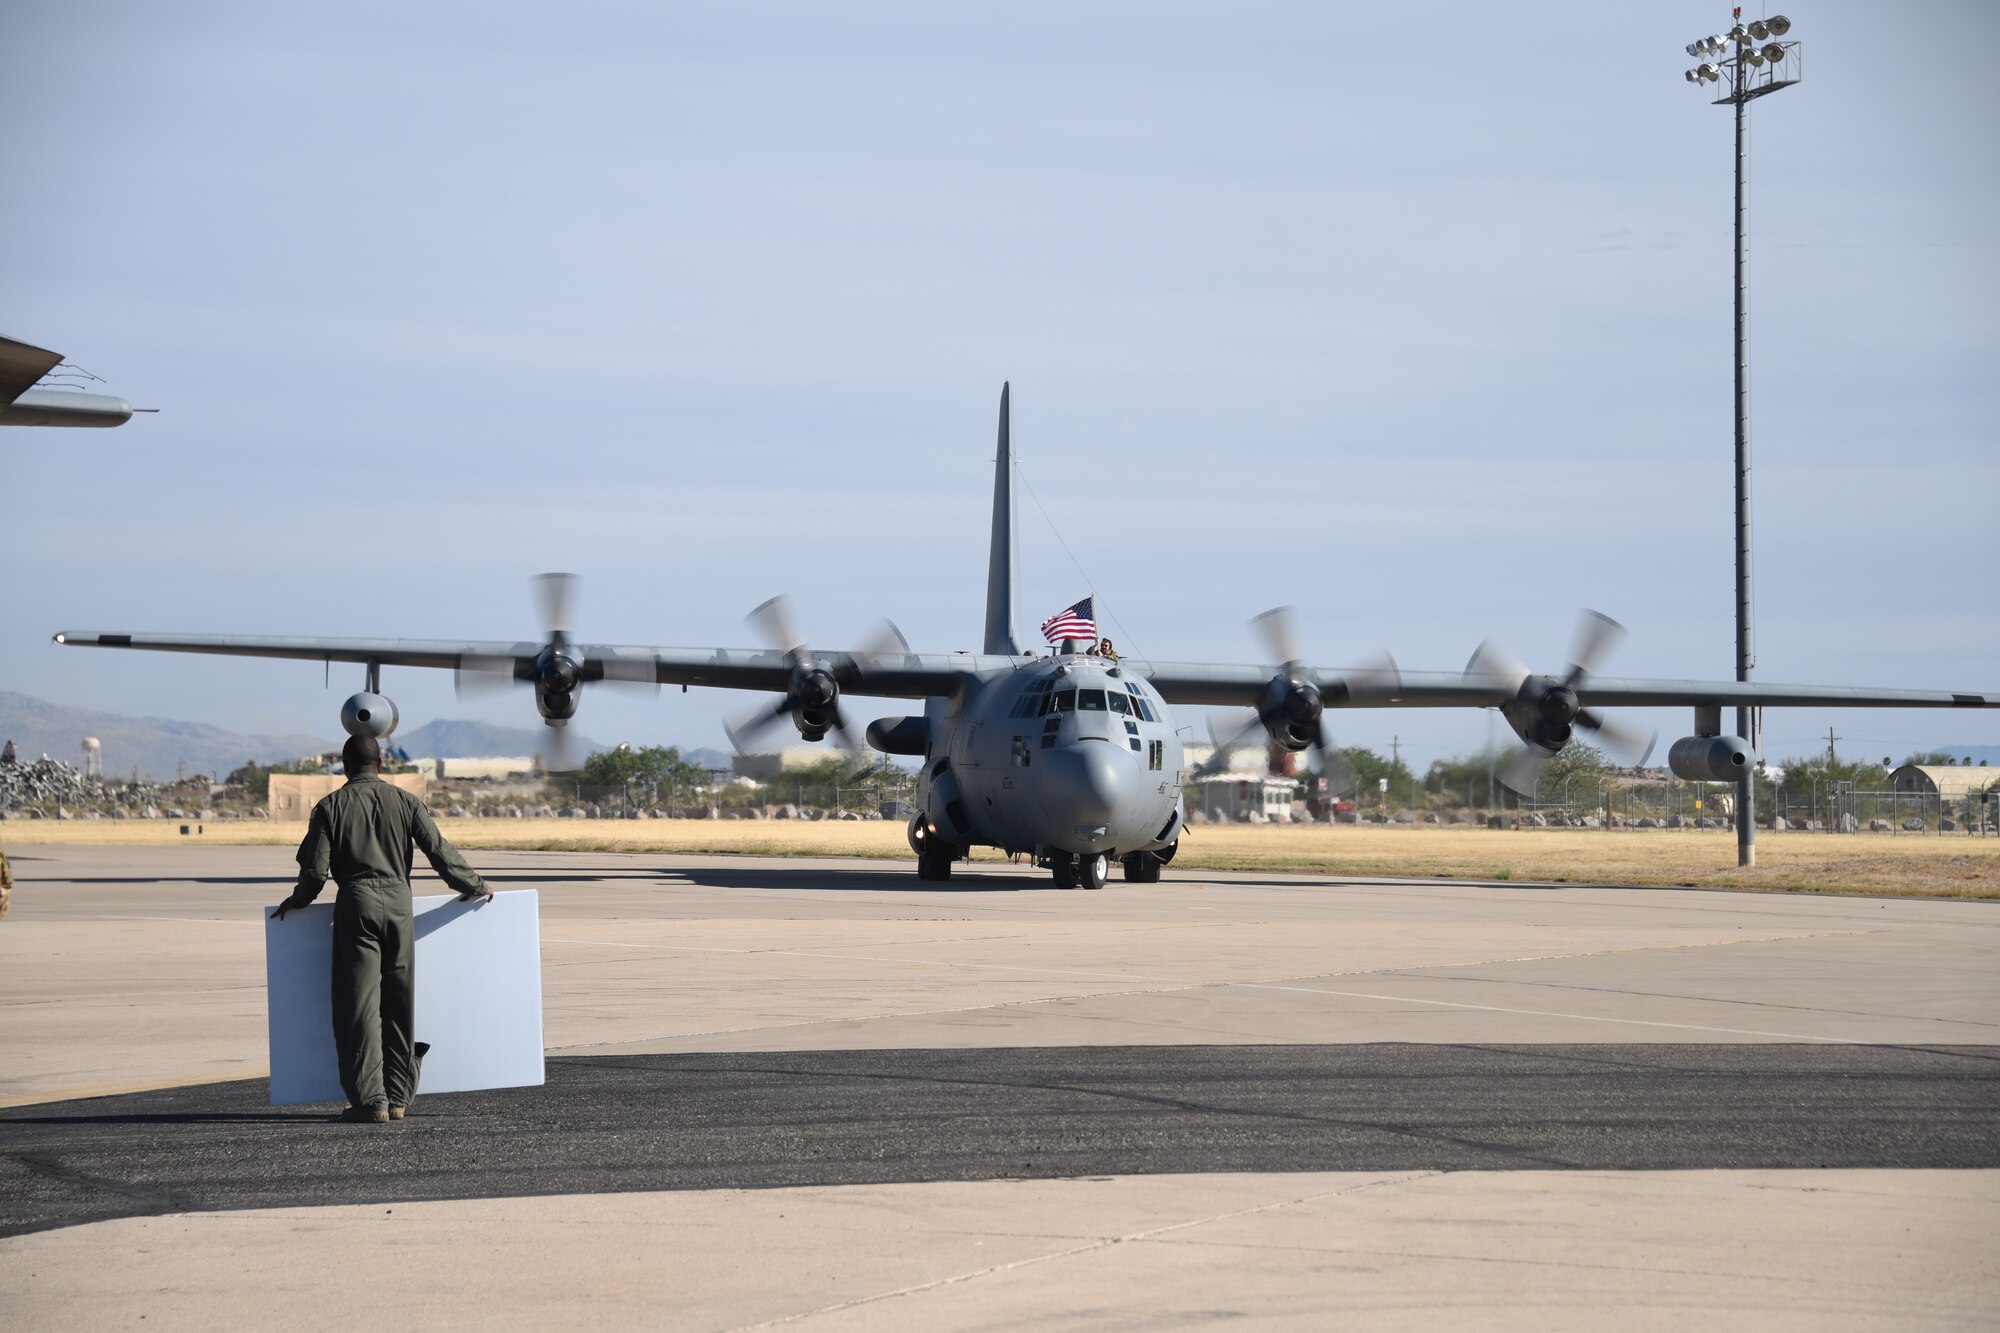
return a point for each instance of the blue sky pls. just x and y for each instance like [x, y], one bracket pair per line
[1417, 319]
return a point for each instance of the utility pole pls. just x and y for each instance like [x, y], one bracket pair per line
[1832, 755]
[1758, 65]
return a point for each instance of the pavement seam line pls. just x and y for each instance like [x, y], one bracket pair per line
[1102, 1243]
[1183, 983]
[1548, 1013]
[1419, 974]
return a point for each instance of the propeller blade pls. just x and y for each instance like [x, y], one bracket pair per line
[559, 752]
[842, 734]
[1227, 743]
[1333, 765]
[1377, 680]
[1522, 769]
[555, 598]
[631, 674]
[481, 677]
[1278, 628]
[1493, 665]
[1596, 636]
[750, 727]
[773, 619]
[883, 642]
[1622, 741]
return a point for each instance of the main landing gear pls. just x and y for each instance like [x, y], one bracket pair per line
[1072, 871]
[1142, 868]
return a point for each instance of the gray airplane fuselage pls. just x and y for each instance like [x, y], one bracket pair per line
[1065, 753]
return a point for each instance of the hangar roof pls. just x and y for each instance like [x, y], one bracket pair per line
[1945, 780]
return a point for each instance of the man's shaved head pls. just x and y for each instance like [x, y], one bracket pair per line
[360, 752]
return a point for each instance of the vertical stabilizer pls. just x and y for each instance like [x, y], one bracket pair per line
[1003, 563]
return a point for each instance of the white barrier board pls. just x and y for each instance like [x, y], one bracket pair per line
[479, 997]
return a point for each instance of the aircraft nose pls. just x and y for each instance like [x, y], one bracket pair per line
[1088, 780]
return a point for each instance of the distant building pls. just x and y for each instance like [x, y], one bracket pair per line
[1243, 798]
[1250, 758]
[1949, 781]
[497, 768]
[293, 795]
[774, 765]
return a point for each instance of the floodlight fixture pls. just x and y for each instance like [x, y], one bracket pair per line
[1753, 55]
[1778, 24]
[1759, 30]
[1774, 53]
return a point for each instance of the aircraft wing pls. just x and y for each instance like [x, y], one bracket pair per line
[902, 676]
[22, 366]
[1757, 694]
[919, 675]
[1242, 686]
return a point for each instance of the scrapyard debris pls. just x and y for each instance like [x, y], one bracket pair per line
[49, 788]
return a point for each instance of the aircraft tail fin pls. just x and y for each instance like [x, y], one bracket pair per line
[1003, 562]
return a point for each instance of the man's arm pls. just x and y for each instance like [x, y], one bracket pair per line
[444, 858]
[315, 863]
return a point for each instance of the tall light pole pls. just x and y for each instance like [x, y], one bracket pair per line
[1749, 62]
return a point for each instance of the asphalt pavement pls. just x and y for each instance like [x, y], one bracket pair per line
[679, 1122]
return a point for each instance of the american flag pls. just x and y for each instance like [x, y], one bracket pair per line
[1072, 622]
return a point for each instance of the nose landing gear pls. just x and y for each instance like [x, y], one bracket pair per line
[934, 854]
[934, 859]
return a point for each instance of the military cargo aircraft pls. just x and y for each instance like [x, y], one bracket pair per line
[1072, 756]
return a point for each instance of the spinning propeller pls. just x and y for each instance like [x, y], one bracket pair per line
[1544, 710]
[1291, 711]
[812, 695]
[558, 671]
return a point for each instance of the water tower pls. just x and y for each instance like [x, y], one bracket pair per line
[93, 758]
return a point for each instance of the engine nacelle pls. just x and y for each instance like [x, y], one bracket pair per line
[1290, 710]
[815, 698]
[1543, 713]
[558, 684]
[1712, 758]
[900, 735]
[368, 714]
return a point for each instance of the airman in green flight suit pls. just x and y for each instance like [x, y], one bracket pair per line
[361, 837]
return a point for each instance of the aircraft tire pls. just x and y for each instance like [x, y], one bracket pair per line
[1062, 866]
[934, 860]
[1092, 871]
[1142, 868]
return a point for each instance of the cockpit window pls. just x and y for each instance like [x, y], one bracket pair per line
[1066, 701]
[1119, 703]
[1092, 700]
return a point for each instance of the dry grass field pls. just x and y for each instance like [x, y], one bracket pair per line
[1951, 866]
